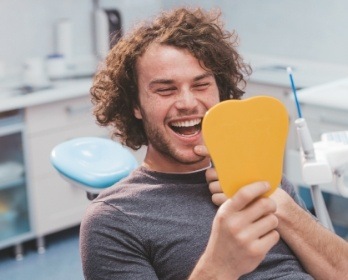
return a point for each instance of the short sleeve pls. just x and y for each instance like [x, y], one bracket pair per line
[111, 247]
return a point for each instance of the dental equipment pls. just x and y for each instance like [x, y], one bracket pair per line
[322, 162]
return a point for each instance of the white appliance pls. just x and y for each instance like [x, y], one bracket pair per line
[107, 30]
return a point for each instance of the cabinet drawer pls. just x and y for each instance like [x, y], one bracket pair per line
[53, 116]
[57, 205]
[39, 147]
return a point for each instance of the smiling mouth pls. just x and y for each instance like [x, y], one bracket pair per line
[187, 128]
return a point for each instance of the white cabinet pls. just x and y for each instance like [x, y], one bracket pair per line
[56, 205]
[35, 201]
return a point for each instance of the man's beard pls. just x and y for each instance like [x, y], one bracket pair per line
[162, 144]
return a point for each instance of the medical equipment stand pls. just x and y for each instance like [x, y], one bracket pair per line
[314, 171]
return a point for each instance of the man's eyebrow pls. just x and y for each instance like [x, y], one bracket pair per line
[203, 76]
[160, 82]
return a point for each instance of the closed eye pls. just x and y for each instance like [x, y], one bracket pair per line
[202, 86]
[165, 91]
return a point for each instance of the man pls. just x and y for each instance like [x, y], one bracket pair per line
[160, 222]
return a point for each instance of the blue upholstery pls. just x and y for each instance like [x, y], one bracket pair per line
[93, 162]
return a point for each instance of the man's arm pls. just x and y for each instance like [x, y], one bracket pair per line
[322, 253]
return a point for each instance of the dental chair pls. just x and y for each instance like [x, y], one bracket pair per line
[92, 163]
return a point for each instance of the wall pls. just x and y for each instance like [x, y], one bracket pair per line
[302, 29]
[27, 27]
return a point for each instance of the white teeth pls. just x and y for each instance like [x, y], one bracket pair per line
[186, 123]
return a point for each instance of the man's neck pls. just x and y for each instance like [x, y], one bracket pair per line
[167, 164]
[177, 170]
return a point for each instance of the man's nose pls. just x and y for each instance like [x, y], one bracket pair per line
[186, 99]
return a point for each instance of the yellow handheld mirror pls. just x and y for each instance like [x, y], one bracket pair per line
[246, 140]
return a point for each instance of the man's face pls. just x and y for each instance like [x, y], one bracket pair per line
[174, 94]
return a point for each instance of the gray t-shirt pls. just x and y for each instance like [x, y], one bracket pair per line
[156, 226]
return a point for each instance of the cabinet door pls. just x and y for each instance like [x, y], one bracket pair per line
[56, 205]
[59, 115]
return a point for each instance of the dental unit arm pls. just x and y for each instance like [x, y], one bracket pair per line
[315, 170]
[322, 162]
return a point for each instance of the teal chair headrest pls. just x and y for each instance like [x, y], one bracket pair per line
[93, 161]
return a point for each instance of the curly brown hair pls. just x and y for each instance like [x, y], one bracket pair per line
[115, 89]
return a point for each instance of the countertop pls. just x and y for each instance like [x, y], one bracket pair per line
[61, 90]
[266, 69]
[272, 70]
[332, 95]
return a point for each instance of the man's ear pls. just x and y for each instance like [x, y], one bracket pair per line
[137, 112]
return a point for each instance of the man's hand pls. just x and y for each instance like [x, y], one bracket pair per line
[218, 197]
[243, 230]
